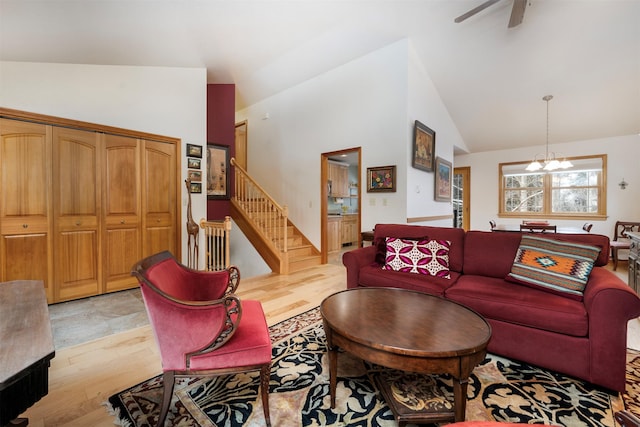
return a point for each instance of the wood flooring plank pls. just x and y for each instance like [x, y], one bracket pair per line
[82, 377]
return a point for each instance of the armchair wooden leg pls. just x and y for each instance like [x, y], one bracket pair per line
[265, 376]
[614, 257]
[168, 379]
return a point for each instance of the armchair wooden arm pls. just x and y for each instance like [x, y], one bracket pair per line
[627, 419]
[233, 310]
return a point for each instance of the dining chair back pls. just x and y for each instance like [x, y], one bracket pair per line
[620, 240]
[538, 228]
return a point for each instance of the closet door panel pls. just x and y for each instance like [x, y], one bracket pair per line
[122, 206]
[77, 189]
[160, 197]
[26, 257]
[25, 202]
[122, 245]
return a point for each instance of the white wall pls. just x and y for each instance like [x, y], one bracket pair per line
[364, 103]
[622, 162]
[426, 106]
[158, 100]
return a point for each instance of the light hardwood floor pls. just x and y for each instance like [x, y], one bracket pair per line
[84, 376]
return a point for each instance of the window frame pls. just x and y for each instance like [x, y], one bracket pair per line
[547, 194]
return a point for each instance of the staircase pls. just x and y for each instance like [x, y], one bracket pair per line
[267, 226]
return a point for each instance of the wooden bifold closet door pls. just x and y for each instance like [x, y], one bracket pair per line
[81, 203]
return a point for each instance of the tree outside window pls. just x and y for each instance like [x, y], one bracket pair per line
[575, 192]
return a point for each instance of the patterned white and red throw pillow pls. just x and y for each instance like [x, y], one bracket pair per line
[430, 257]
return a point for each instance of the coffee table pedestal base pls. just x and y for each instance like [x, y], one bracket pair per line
[441, 410]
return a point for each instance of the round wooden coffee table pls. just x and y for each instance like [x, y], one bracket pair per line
[409, 331]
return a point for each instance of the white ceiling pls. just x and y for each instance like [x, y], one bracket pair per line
[491, 79]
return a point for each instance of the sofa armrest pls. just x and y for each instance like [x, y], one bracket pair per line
[610, 304]
[355, 260]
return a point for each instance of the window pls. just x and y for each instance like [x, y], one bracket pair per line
[575, 192]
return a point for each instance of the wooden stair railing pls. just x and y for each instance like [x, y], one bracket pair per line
[266, 224]
[216, 234]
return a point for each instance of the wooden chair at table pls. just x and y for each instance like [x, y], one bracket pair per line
[537, 228]
[620, 239]
[201, 327]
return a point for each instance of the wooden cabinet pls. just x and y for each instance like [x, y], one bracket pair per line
[634, 261]
[81, 203]
[338, 179]
[334, 232]
[25, 204]
[349, 231]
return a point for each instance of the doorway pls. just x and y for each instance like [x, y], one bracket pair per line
[461, 197]
[241, 144]
[340, 204]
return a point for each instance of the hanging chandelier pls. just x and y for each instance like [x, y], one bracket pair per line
[549, 163]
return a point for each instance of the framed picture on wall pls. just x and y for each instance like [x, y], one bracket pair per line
[424, 147]
[193, 163]
[195, 187]
[194, 150]
[382, 178]
[194, 175]
[444, 174]
[217, 171]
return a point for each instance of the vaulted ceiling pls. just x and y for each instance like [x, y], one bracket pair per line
[491, 78]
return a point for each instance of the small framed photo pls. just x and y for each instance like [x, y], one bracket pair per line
[194, 175]
[193, 163]
[382, 178]
[194, 150]
[217, 171]
[443, 180]
[424, 147]
[195, 187]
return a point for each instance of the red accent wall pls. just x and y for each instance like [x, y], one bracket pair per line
[221, 109]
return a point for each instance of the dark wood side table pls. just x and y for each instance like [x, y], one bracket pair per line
[26, 350]
[366, 236]
[409, 331]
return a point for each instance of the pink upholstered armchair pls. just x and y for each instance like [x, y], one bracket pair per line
[201, 327]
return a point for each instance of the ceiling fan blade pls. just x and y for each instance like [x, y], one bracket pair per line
[517, 12]
[475, 10]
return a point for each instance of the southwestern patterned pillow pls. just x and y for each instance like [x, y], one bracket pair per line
[559, 267]
[429, 257]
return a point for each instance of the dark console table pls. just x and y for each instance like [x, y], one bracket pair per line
[26, 350]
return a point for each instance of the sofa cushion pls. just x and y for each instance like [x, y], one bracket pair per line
[554, 266]
[381, 246]
[454, 235]
[498, 299]
[429, 257]
[374, 276]
[489, 253]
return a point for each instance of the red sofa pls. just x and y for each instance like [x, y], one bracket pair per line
[582, 338]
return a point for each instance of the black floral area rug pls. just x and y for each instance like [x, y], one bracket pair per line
[499, 390]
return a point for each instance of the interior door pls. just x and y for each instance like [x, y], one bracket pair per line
[461, 197]
[241, 144]
[354, 200]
